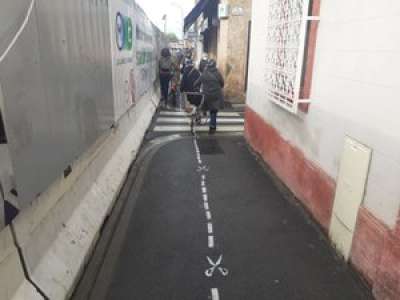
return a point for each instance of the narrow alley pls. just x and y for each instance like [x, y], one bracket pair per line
[208, 221]
[199, 149]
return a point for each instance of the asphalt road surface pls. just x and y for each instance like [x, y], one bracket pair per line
[207, 221]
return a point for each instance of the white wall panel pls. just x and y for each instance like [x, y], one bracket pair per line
[355, 83]
[352, 179]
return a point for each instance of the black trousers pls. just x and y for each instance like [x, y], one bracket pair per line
[213, 118]
[164, 83]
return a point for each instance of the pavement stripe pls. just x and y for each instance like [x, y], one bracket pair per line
[210, 228]
[214, 294]
[206, 206]
[210, 241]
[185, 114]
[198, 129]
[238, 105]
[185, 120]
[208, 215]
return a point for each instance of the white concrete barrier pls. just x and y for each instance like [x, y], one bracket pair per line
[13, 284]
[58, 231]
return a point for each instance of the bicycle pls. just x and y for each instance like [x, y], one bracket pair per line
[196, 113]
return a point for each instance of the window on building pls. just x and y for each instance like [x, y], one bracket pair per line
[291, 37]
[3, 137]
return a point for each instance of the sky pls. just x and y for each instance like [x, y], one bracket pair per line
[176, 10]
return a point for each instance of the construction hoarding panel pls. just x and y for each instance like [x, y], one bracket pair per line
[145, 72]
[56, 86]
[122, 25]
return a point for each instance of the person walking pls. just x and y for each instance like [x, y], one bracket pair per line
[212, 85]
[203, 63]
[175, 95]
[166, 73]
[189, 77]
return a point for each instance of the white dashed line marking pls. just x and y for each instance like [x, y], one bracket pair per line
[214, 294]
[210, 241]
[214, 266]
[210, 228]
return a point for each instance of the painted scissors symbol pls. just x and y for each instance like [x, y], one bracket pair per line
[216, 266]
[202, 169]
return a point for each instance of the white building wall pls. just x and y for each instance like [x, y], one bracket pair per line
[355, 83]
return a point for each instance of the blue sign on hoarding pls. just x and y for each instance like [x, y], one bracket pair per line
[123, 32]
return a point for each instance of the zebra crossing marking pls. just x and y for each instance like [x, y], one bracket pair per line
[178, 128]
[185, 114]
[186, 120]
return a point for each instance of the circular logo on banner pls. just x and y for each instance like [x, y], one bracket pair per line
[120, 31]
[123, 32]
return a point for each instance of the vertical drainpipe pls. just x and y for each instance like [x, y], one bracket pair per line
[3, 140]
[2, 218]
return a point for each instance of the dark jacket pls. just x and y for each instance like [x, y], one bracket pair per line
[189, 78]
[203, 64]
[213, 83]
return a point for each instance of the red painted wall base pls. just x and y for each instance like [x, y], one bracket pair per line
[376, 254]
[376, 249]
[309, 183]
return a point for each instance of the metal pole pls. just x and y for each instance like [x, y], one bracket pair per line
[182, 16]
[165, 18]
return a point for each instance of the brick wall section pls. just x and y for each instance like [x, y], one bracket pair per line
[368, 242]
[232, 54]
[376, 254]
[387, 283]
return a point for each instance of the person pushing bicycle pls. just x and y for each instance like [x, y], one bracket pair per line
[189, 77]
[212, 84]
